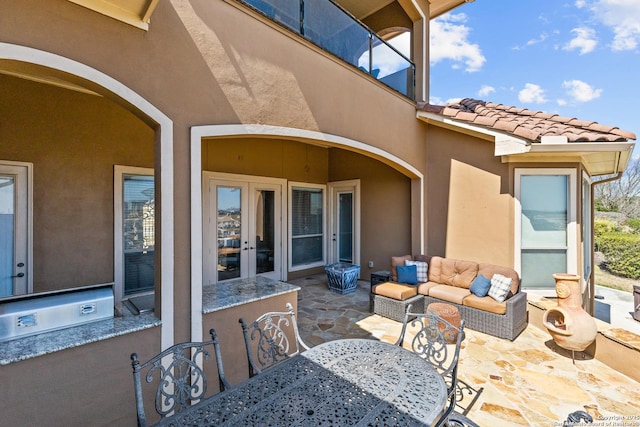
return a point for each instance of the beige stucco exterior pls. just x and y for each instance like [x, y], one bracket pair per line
[81, 92]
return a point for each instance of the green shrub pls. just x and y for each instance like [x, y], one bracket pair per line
[634, 225]
[622, 252]
[602, 226]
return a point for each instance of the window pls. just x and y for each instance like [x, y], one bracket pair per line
[307, 225]
[546, 222]
[134, 231]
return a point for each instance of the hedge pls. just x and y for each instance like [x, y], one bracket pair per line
[622, 252]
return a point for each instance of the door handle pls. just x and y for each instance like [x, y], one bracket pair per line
[18, 275]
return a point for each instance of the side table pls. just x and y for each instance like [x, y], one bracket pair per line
[377, 277]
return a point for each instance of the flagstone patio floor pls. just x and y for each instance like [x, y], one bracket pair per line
[528, 382]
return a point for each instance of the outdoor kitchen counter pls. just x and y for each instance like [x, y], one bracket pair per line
[49, 342]
[242, 291]
[214, 298]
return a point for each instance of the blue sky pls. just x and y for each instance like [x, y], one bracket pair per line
[576, 58]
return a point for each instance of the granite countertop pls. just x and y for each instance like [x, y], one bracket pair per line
[242, 291]
[24, 348]
[214, 297]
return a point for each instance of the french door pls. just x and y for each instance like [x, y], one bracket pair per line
[344, 221]
[15, 262]
[243, 228]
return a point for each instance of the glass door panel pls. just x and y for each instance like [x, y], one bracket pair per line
[544, 221]
[7, 234]
[229, 231]
[138, 228]
[15, 271]
[264, 205]
[345, 227]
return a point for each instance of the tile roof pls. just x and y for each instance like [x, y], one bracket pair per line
[527, 124]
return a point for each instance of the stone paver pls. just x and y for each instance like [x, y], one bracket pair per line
[525, 382]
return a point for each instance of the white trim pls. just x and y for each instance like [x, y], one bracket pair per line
[164, 136]
[335, 186]
[425, 51]
[281, 266]
[118, 252]
[572, 242]
[322, 187]
[307, 136]
[26, 203]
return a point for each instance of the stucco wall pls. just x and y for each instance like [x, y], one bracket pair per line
[201, 63]
[470, 204]
[73, 141]
[290, 160]
[385, 208]
[88, 385]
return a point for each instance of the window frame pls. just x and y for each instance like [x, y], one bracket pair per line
[118, 222]
[587, 226]
[572, 230]
[24, 197]
[295, 185]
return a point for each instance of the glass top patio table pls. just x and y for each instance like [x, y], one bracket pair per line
[345, 382]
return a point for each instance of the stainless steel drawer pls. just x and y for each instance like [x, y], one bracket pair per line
[36, 314]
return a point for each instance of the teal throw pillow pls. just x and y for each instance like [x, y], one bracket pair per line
[407, 274]
[480, 286]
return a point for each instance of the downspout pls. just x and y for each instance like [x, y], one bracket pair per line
[592, 279]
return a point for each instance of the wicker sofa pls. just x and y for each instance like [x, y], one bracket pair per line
[449, 280]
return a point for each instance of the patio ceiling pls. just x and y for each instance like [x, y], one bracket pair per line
[133, 12]
[364, 8]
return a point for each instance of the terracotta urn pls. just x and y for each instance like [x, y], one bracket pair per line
[570, 326]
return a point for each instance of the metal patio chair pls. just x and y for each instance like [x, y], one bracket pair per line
[271, 338]
[438, 342]
[180, 380]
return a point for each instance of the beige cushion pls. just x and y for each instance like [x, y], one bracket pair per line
[485, 303]
[453, 272]
[449, 293]
[395, 291]
[488, 270]
[423, 288]
[396, 261]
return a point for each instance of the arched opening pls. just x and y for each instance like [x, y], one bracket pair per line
[73, 126]
[309, 169]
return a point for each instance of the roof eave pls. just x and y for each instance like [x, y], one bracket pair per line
[599, 158]
[505, 144]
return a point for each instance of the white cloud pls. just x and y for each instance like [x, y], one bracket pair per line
[540, 39]
[532, 94]
[623, 18]
[449, 41]
[561, 102]
[580, 91]
[435, 100]
[584, 40]
[580, 4]
[486, 90]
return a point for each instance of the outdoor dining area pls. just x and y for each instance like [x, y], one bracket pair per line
[335, 363]
[340, 382]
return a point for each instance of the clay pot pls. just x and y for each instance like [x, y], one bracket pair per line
[570, 326]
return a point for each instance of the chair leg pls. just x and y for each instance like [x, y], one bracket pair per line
[458, 420]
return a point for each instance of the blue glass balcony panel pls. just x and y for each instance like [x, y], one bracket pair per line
[331, 28]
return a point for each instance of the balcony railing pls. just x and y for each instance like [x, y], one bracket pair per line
[333, 29]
